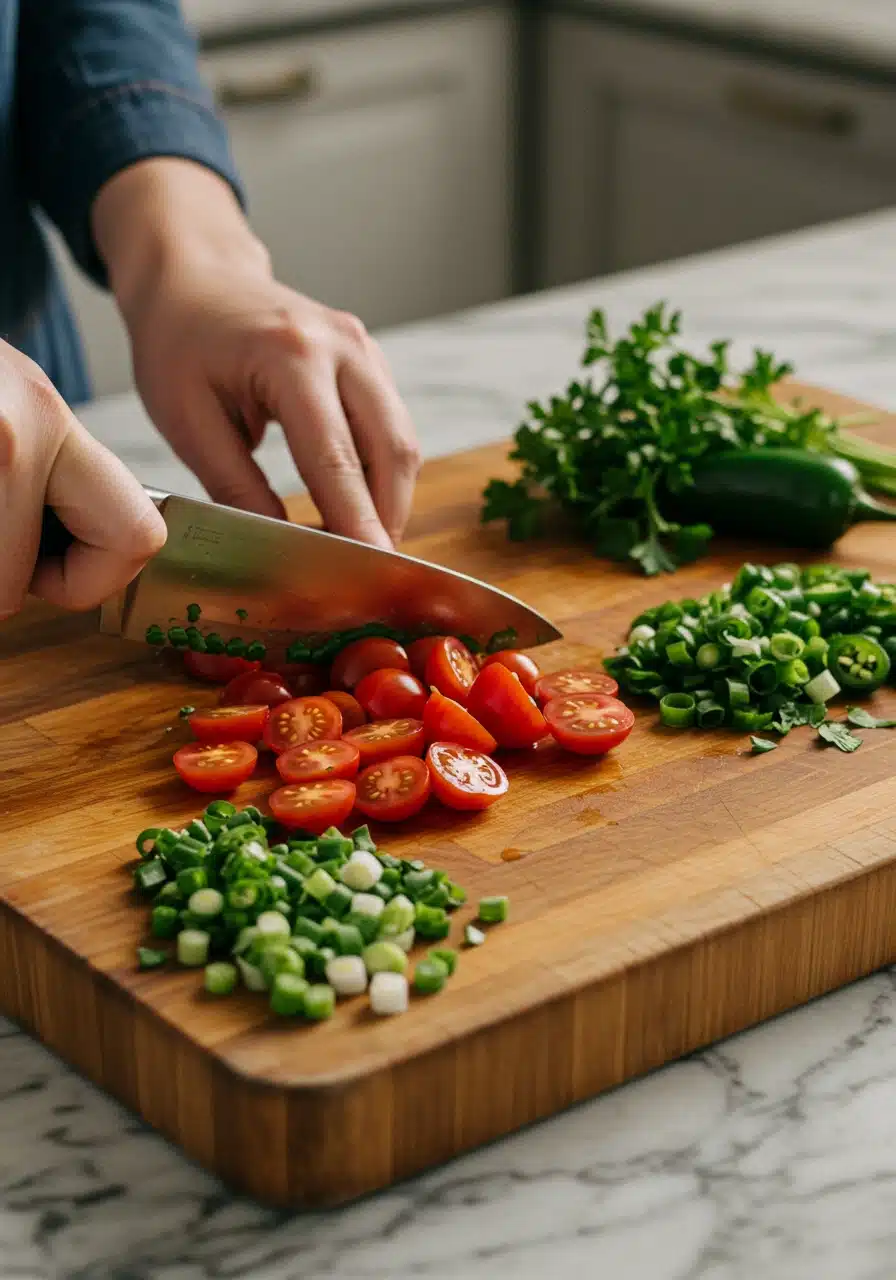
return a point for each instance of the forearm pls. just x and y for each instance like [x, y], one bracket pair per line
[168, 216]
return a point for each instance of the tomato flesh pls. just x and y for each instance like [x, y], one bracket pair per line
[464, 779]
[499, 701]
[389, 694]
[445, 720]
[215, 767]
[317, 761]
[451, 668]
[229, 724]
[302, 720]
[590, 724]
[216, 668]
[418, 654]
[393, 790]
[387, 738]
[350, 707]
[361, 657]
[520, 664]
[558, 684]
[302, 678]
[313, 806]
[254, 687]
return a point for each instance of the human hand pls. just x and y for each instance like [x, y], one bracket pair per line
[48, 459]
[221, 349]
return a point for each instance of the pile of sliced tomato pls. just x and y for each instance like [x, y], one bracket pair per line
[386, 728]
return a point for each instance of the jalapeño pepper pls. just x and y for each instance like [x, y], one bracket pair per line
[858, 662]
[782, 495]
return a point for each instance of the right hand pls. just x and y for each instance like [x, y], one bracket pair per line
[48, 459]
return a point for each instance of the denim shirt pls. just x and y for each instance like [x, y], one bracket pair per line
[87, 87]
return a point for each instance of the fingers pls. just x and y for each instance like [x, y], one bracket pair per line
[220, 456]
[305, 401]
[385, 439]
[116, 526]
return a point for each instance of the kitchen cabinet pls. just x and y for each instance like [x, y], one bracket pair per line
[654, 149]
[378, 164]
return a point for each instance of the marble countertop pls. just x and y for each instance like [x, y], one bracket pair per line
[862, 31]
[771, 1154]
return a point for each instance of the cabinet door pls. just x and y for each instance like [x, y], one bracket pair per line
[378, 168]
[658, 150]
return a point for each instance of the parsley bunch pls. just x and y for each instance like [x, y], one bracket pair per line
[611, 450]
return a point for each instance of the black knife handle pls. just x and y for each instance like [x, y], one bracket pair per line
[55, 538]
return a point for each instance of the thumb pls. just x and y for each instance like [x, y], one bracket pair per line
[116, 526]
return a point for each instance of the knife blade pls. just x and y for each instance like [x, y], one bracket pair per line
[294, 582]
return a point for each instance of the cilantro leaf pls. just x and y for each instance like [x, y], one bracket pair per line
[863, 719]
[759, 746]
[793, 715]
[836, 734]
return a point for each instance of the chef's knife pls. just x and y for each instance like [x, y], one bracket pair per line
[295, 581]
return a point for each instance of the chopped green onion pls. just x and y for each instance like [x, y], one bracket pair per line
[746, 719]
[710, 714]
[762, 677]
[679, 654]
[273, 923]
[191, 880]
[280, 958]
[165, 922]
[709, 656]
[206, 903]
[155, 635]
[192, 948]
[146, 841]
[384, 957]
[793, 673]
[150, 875]
[256, 651]
[473, 937]
[253, 978]
[177, 637]
[289, 992]
[347, 975]
[494, 910]
[221, 978]
[388, 994]
[320, 885]
[430, 976]
[447, 956]
[319, 1002]
[194, 613]
[822, 688]
[362, 871]
[784, 645]
[678, 710]
[149, 958]
[431, 922]
[398, 915]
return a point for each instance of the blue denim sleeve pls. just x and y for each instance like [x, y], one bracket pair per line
[101, 85]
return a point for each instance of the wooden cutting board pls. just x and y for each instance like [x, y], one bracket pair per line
[669, 895]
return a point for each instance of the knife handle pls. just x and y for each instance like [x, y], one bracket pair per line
[55, 538]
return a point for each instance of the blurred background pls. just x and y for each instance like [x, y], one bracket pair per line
[404, 160]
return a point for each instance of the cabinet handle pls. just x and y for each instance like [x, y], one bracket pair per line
[831, 119]
[295, 84]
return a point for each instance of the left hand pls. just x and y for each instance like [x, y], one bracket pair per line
[221, 349]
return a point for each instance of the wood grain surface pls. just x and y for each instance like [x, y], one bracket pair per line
[673, 893]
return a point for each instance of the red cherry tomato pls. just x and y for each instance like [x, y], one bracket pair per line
[229, 724]
[393, 790]
[387, 738]
[313, 806]
[316, 761]
[215, 766]
[445, 720]
[388, 694]
[352, 711]
[557, 684]
[302, 720]
[464, 779]
[589, 723]
[520, 664]
[254, 687]
[303, 678]
[356, 660]
[216, 668]
[418, 654]
[499, 701]
[451, 669]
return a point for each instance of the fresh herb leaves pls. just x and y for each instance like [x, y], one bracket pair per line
[863, 719]
[793, 715]
[607, 451]
[837, 734]
[759, 746]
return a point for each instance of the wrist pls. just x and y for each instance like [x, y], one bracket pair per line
[163, 219]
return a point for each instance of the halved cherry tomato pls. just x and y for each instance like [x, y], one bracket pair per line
[315, 761]
[393, 790]
[589, 723]
[451, 668]
[362, 656]
[313, 806]
[216, 668]
[418, 654]
[254, 687]
[520, 664]
[215, 766]
[464, 779]
[387, 694]
[303, 678]
[352, 711]
[229, 724]
[557, 684]
[302, 720]
[499, 701]
[387, 738]
[445, 720]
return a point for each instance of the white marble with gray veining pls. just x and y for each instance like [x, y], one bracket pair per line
[772, 1155]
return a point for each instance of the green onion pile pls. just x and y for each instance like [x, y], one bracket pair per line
[305, 920]
[766, 651]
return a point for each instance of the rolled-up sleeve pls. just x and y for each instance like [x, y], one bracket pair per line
[101, 85]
